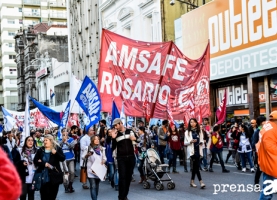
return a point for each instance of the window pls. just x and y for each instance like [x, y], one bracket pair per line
[11, 57]
[13, 81]
[11, 22]
[12, 70]
[19, 9]
[20, 21]
[11, 34]
[10, 44]
[13, 106]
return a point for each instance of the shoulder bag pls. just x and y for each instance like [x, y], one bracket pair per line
[83, 171]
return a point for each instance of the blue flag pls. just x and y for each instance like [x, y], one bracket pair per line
[89, 100]
[64, 120]
[9, 121]
[52, 115]
[1, 127]
[115, 113]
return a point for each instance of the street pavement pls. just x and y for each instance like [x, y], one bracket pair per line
[182, 189]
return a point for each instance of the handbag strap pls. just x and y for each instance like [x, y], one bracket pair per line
[86, 160]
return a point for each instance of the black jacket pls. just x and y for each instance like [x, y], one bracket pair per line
[125, 146]
[54, 159]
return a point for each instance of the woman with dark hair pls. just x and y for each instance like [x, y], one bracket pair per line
[110, 159]
[174, 146]
[142, 147]
[245, 149]
[92, 153]
[216, 149]
[26, 168]
[194, 141]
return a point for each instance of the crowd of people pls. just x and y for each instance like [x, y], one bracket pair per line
[43, 162]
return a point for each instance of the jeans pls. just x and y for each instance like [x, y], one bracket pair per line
[264, 196]
[71, 169]
[173, 158]
[28, 191]
[94, 187]
[125, 170]
[116, 177]
[140, 167]
[205, 162]
[161, 152]
[219, 154]
[249, 158]
[111, 171]
[49, 191]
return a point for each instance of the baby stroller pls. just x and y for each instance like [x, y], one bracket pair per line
[154, 170]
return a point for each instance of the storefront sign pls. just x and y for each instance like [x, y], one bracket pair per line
[238, 95]
[242, 34]
[41, 73]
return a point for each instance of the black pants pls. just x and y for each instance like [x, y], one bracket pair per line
[214, 155]
[125, 170]
[195, 169]
[258, 172]
[27, 187]
[161, 152]
[49, 191]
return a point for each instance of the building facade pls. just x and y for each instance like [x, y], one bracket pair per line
[243, 53]
[42, 64]
[13, 15]
[84, 37]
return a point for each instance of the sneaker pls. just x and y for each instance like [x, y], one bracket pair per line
[133, 180]
[252, 170]
[211, 170]
[185, 170]
[243, 170]
[205, 169]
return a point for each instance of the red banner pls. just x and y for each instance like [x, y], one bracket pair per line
[221, 110]
[132, 70]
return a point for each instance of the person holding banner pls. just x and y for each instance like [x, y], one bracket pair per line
[94, 153]
[122, 141]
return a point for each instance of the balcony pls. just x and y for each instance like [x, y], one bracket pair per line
[32, 2]
[14, 27]
[57, 4]
[58, 15]
[31, 14]
[13, 3]
[1, 103]
[1, 88]
[10, 12]
[1, 76]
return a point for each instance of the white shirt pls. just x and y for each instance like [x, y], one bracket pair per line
[31, 168]
[10, 145]
[84, 142]
[92, 158]
[244, 143]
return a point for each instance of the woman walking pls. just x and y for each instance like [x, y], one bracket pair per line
[47, 160]
[93, 153]
[194, 142]
[216, 149]
[230, 143]
[142, 147]
[25, 168]
[174, 145]
[245, 149]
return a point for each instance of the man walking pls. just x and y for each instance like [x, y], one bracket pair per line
[267, 155]
[122, 142]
